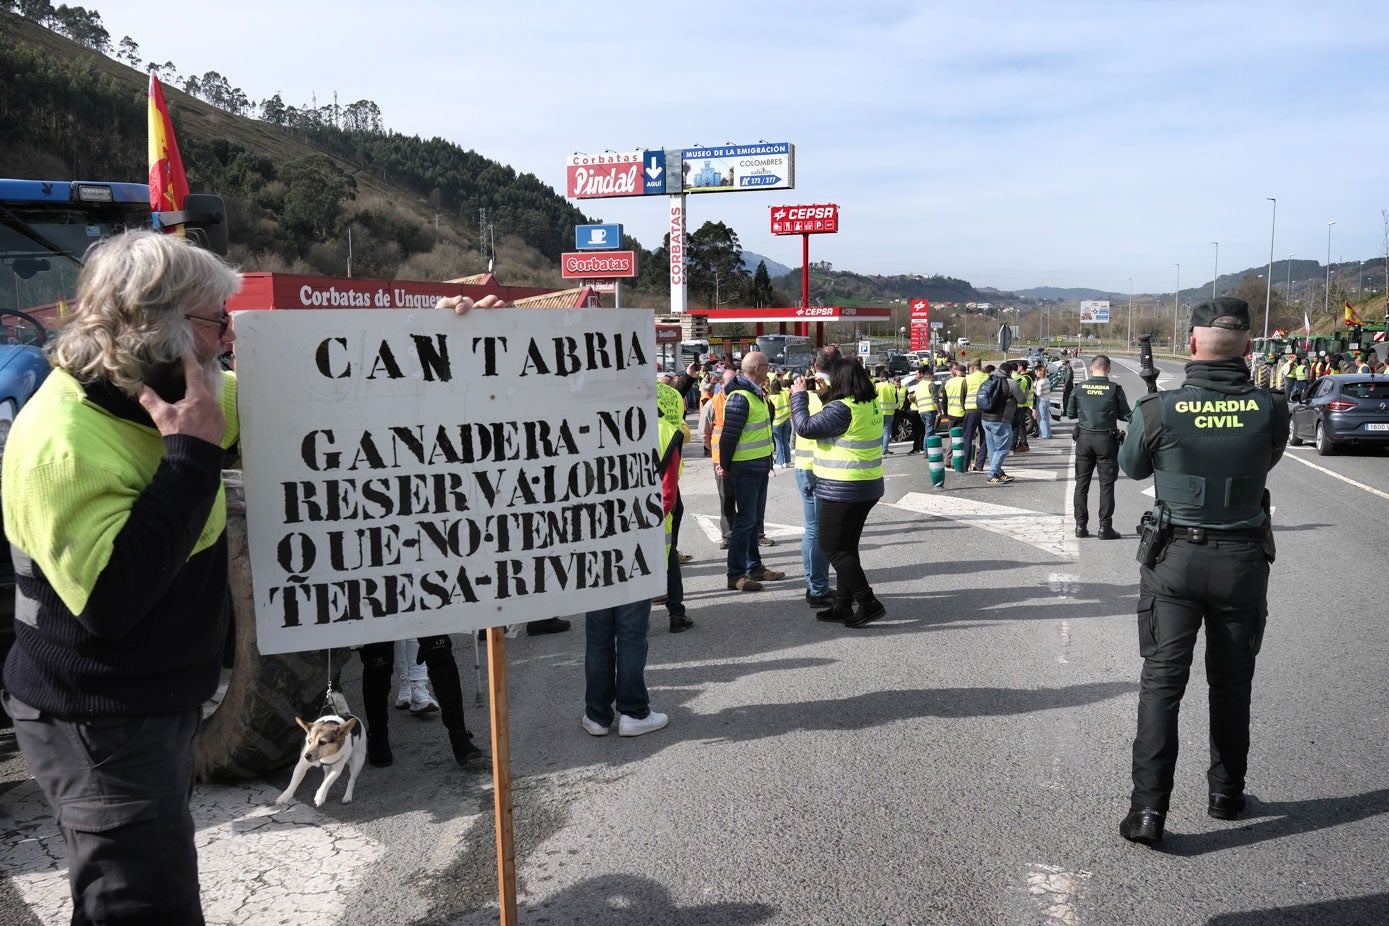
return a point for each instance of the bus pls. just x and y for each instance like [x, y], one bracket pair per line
[787, 351]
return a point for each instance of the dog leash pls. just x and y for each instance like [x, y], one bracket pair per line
[328, 706]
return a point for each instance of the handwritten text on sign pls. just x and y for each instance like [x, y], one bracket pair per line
[414, 472]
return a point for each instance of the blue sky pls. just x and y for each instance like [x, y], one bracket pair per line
[1009, 144]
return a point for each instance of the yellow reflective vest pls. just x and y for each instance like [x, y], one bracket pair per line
[756, 440]
[857, 454]
[805, 447]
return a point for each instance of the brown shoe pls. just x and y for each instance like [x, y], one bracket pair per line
[767, 575]
[745, 584]
[765, 541]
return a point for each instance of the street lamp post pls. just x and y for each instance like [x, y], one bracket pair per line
[1326, 300]
[1176, 304]
[1215, 273]
[1130, 311]
[1268, 291]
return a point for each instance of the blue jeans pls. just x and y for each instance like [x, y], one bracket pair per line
[1044, 416]
[887, 431]
[750, 501]
[615, 661]
[999, 437]
[781, 441]
[813, 561]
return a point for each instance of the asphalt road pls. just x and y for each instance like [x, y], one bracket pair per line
[962, 761]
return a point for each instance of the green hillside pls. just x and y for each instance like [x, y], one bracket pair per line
[414, 205]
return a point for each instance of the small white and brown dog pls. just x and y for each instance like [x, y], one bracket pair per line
[334, 742]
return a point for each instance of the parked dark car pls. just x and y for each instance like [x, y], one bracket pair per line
[1342, 409]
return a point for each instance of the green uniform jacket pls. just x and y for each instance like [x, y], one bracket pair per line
[1209, 446]
[1099, 404]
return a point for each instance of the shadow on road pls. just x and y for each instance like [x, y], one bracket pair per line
[621, 900]
[1353, 911]
[1265, 820]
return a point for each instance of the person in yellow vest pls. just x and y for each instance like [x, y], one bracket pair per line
[848, 482]
[953, 396]
[973, 421]
[886, 392]
[725, 496]
[781, 423]
[923, 398]
[745, 459]
[672, 431]
[818, 592]
[1299, 389]
[1023, 418]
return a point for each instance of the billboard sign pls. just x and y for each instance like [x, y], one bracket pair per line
[613, 173]
[921, 310]
[763, 166]
[606, 265]
[653, 172]
[1094, 312]
[805, 220]
[597, 237]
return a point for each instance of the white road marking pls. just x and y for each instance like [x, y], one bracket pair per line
[710, 525]
[256, 858]
[1045, 531]
[1055, 889]
[1335, 475]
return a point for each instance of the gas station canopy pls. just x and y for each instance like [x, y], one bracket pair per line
[814, 313]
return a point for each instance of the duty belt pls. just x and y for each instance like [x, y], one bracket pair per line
[1207, 534]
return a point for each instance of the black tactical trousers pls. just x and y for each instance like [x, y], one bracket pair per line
[119, 788]
[1095, 450]
[1223, 583]
[378, 662]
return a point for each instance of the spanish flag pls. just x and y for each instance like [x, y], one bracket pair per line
[1352, 317]
[168, 181]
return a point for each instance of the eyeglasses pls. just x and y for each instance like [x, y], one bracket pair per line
[223, 321]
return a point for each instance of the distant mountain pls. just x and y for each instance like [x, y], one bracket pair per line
[1049, 293]
[842, 287]
[751, 259]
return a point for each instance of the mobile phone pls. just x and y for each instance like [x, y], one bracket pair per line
[166, 379]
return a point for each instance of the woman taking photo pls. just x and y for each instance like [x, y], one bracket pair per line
[848, 480]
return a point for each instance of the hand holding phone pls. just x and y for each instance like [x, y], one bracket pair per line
[196, 412]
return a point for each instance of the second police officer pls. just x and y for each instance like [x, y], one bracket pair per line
[1100, 405]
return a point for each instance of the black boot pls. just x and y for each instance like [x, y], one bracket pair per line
[437, 653]
[869, 610]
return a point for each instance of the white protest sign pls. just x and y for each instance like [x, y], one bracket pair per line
[415, 472]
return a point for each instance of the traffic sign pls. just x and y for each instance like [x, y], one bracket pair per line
[654, 172]
[597, 237]
[865, 348]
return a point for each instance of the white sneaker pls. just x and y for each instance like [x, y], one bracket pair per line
[421, 701]
[595, 729]
[402, 696]
[631, 726]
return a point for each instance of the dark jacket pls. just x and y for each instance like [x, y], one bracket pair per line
[1014, 395]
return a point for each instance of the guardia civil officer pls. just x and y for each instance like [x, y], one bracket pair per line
[1209, 446]
[1100, 405]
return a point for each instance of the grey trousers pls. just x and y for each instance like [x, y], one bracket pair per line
[119, 789]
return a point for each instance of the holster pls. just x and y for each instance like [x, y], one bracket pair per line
[1153, 535]
[1270, 548]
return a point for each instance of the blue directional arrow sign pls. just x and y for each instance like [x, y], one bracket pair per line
[597, 237]
[653, 172]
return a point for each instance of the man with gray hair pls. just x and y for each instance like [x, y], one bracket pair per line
[1208, 446]
[116, 516]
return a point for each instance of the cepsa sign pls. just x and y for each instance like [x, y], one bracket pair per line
[602, 264]
[805, 220]
[590, 176]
